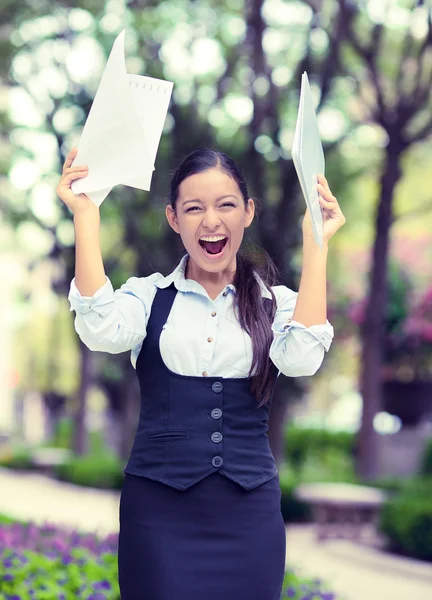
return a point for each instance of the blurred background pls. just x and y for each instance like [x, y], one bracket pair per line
[365, 418]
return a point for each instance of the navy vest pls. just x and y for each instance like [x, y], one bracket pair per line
[191, 427]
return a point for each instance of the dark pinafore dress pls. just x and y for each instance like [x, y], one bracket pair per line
[200, 515]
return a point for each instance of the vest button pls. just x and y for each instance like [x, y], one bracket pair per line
[217, 461]
[217, 387]
[216, 437]
[216, 413]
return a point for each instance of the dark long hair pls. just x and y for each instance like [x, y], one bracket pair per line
[254, 313]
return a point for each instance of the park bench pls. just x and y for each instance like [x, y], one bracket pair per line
[343, 510]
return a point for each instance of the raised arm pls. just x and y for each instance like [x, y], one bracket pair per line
[89, 268]
[105, 320]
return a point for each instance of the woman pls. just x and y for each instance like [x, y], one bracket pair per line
[200, 505]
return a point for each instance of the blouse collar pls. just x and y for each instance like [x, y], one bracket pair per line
[177, 277]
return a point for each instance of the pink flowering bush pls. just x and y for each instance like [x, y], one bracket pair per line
[408, 327]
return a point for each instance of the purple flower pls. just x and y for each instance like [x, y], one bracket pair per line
[290, 592]
[102, 585]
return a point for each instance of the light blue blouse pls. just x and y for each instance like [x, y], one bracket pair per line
[202, 337]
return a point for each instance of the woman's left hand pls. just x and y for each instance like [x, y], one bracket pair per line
[333, 216]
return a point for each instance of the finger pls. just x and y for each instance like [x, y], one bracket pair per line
[328, 203]
[323, 181]
[326, 193]
[70, 158]
[75, 169]
[67, 179]
[72, 174]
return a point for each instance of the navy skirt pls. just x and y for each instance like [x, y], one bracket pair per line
[215, 540]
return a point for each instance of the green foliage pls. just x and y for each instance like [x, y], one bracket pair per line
[16, 457]
[330, 465]
[426, 462]
[299, 588]
[392, 485]
[49, 360]
[301, 444]
[63, 438]
[313, 455]
[6, 520]
[50, 562]
[99, 468]
[34, 576]
[93, 470]
[293, 510]
[406, 520]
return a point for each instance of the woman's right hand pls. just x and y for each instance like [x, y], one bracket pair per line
[81, 202]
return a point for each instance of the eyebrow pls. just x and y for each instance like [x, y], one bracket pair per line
[217, 199]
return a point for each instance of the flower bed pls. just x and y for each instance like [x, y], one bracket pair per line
[298, 588]
[51, 563]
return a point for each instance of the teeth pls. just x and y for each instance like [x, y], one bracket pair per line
[213, 238]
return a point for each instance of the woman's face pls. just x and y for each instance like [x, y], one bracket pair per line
[210, 217]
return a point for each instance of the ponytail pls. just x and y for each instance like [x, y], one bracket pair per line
[256, 315]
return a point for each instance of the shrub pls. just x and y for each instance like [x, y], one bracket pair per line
[426, 462]
[406, 520]
[98, 470]
[63, 437]
[303, 442]
[16, 457]
[293, 510]
[313, 455]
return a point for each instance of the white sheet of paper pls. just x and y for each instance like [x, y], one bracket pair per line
[308, 157]
[122, 132]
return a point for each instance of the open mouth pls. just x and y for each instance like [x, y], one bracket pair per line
[213, 245]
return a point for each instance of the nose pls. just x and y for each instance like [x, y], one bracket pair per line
[211, 219]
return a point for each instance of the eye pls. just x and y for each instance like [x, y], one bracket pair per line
[228, 204]
[192, 208]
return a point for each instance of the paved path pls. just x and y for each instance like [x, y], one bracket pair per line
[354, 571]
[358, 572]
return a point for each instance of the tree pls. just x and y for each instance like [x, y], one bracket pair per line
[394, 77]
[243, 70]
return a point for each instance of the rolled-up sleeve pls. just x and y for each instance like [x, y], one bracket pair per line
[297, 350]
[114, 321]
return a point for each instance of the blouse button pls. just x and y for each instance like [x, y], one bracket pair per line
[204, 374]
[213, 314]
[225, 293]
[210, 339]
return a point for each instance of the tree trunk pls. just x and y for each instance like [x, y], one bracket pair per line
[373, 325]
[80, 440]
[276, 424]
[129, 417]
